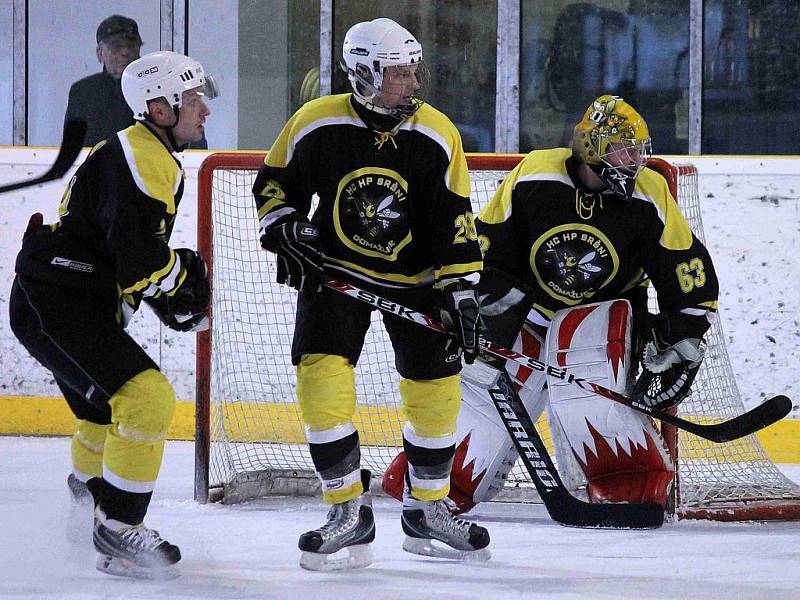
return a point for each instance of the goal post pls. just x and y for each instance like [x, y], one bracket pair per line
[249, 438]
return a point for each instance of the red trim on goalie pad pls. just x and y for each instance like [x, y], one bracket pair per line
[531, 346]
[567, 328]
[394, 478]
[646, 486]
[636, 476]
[616, 349]
[463, 481]
[462, 486]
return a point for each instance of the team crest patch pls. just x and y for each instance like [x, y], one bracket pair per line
[370, 214]
[573, 262]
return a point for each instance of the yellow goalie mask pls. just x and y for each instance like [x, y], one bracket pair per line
[613, 139]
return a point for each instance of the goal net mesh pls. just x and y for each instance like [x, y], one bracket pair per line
[253, 431]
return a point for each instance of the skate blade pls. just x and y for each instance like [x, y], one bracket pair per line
[120, 567]
[427, 547]
[356, 557]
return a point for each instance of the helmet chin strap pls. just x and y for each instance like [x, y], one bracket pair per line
[379, 118]
[168, 130]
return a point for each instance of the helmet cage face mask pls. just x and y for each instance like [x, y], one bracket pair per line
[372, 47]
[621, 163]
[613, 139]
[375, 95]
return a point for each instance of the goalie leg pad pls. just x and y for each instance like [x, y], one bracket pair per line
[485, 453]
[620, 452]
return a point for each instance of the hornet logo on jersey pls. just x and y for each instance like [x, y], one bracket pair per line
[370, 214]
[573, 262]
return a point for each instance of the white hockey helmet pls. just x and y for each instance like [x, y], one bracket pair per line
[165, 75]
[369, 48]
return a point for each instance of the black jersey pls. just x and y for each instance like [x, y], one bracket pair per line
[394, 205]
[115, 220]
[571, 246]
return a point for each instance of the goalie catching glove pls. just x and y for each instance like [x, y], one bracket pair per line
[186, 308]
[295, 241]
[670, 362]
[461, 315]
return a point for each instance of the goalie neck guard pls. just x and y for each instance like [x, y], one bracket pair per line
[369, 49]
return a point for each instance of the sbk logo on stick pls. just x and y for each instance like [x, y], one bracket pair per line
[749, 422]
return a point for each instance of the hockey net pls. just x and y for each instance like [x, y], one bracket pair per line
[249, 435]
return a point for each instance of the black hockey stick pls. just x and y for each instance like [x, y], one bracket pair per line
[749, 422]
[71, 144]
[562, 506]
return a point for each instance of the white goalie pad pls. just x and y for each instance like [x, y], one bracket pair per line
[621, 453]
[484, 451]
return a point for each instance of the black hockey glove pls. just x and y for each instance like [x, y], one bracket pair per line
[295, 241]
[670, 361]
[186, 308]
[461, 314]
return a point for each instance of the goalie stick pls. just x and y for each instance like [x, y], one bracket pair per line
[562, 506]
[71, 144]
[761, 416]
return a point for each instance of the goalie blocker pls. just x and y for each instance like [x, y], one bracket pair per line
[618, 453]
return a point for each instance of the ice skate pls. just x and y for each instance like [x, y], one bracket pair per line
[427, 522]
[350, 528]
[79, 520]
[133, 550]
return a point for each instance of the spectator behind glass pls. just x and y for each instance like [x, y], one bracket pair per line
[98, 98]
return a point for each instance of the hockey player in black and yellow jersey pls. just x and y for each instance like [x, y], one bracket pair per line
[80, 280]
[593, 223]
[577, 234]
[394, 212]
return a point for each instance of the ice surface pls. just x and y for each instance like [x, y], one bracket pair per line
[250, 551]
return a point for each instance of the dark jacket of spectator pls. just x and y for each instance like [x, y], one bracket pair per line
[98, 100]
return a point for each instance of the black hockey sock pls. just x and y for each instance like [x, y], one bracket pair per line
[117, 504]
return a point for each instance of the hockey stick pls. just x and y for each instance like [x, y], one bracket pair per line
[562, 506]
[71, 144]
[749, 422]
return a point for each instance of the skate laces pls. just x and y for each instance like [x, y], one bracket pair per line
[141, 537]
[341, 517]
[440, 518]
